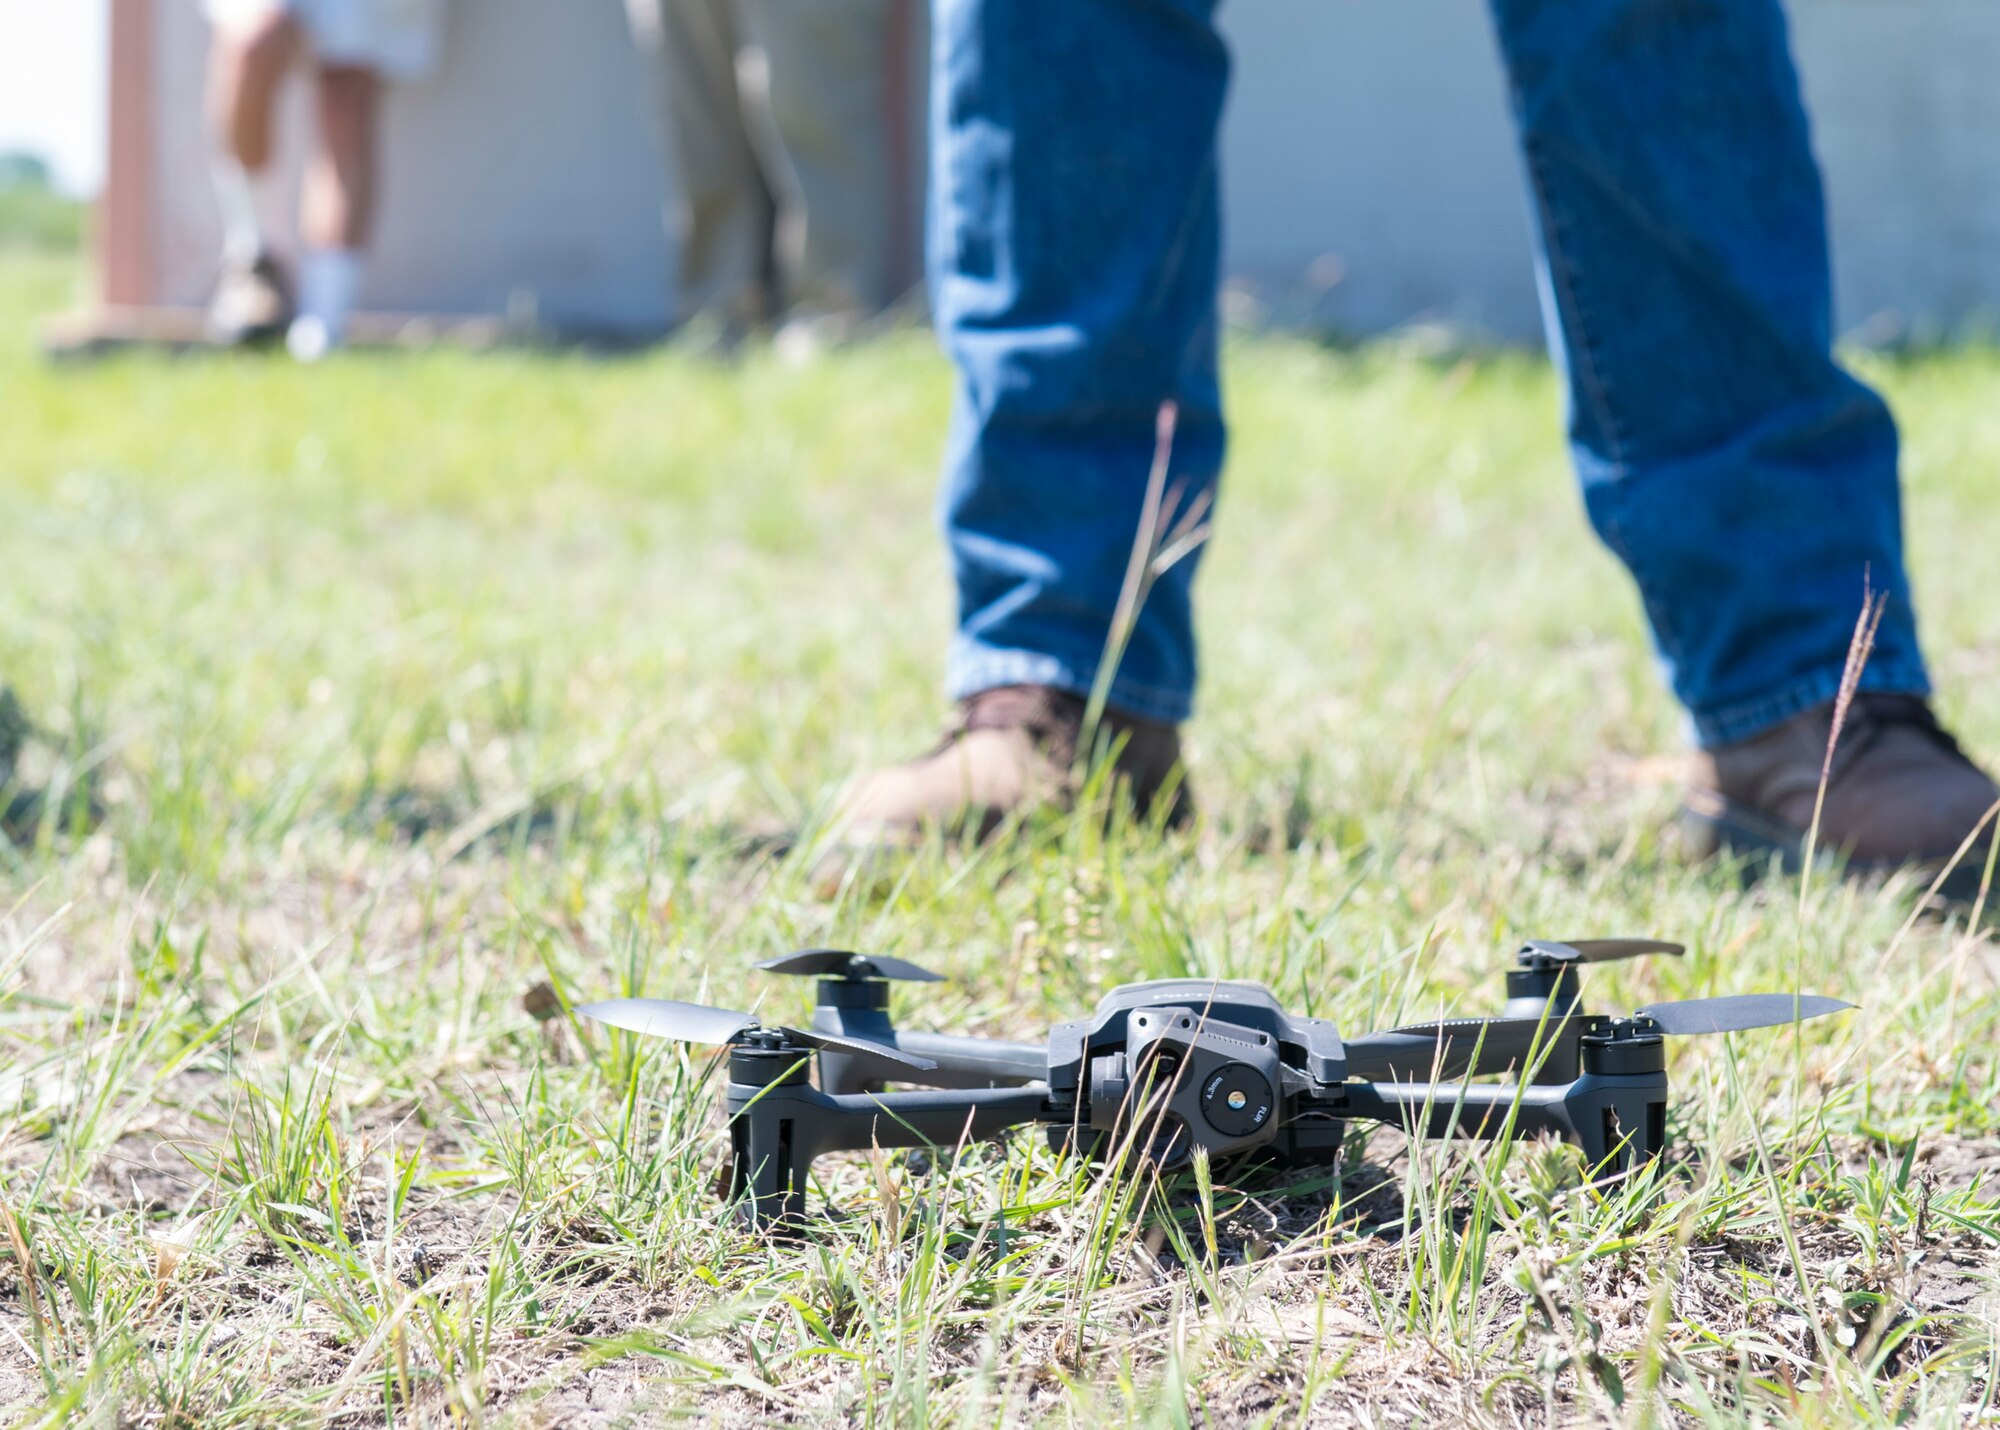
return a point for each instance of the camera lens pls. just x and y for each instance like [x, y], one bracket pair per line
[1236, 1100]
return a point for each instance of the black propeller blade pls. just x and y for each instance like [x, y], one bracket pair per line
[1738, 1012]
[1543, 952]
[831, 1042]
[841, 963]
[699, 1023]
[666, 1018]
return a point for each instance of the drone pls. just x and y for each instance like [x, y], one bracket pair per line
[1177, 1067]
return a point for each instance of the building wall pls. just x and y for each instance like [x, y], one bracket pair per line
[1370, 175]
[1373, 138]
[1907, 98]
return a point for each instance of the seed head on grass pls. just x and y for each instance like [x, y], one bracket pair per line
[1167, 534]
[1859, 648]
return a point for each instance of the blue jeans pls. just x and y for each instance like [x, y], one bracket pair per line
[1746, 480]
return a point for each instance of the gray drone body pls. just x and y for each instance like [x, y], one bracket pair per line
[1190, 1063]
[1163, 1070]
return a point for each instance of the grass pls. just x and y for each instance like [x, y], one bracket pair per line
[34, 216]
[408, 684]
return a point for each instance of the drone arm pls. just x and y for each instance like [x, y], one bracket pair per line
[1448, 1110]
[1463, 1048]
[925, 1119]
[962, 1063]
[778, 1131]
[1619, 1117]
[1395, 1057]
[992, 1062]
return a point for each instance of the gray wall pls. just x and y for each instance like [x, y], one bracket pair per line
[1907, 98]
[1367, 143]
[1373, 137]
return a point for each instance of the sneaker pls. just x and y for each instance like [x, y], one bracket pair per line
[1006, 751]
[1901, 793]
[309, 339]
[252, 303]
[806, 338]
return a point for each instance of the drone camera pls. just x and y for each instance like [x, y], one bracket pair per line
[1238, 1101]
[1189, 1081]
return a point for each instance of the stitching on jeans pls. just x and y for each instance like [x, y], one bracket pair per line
[1739, 722]
[981, 669]
[1034, 670]
[1555, 244]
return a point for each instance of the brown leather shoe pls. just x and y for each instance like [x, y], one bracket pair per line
[1007, 750]
[1901, 792]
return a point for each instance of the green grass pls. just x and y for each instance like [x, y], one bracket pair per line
[35, 217]
[409, 683]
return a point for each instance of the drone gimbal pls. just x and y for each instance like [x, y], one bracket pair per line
[1173, 1067]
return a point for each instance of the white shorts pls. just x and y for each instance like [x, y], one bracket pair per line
[396, 38]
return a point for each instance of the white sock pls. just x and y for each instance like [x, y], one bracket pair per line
[236, 195]
[328, 281]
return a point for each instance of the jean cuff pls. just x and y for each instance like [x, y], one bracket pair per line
[974, 667]
[1731, 723]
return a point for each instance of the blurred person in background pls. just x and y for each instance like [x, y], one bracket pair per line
[1747, 481]
[352, 47]
[776, 118]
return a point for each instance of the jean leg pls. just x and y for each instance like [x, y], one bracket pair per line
[1747, 481]
[822, 124]
[1074, 244]
[721, 211]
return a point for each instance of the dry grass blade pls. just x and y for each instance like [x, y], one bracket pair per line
[40, 1313]
[1859, 648]
[1166, 535]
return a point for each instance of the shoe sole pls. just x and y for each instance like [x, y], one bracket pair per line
[1723, 828]
[259, 336]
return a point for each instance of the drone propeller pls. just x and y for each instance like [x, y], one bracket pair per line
[666, 1018]
[1738, 1012]
[853, 967]
[1546, 953]
[1477, 1047]
[699, 1023]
